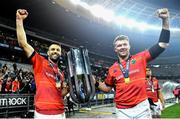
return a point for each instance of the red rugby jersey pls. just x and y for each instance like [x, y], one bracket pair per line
[131, 94]
[15, 86]
[153, 95]
[48, 99]
[8, 86]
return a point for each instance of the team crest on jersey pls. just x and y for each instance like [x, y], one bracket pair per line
[133, 61]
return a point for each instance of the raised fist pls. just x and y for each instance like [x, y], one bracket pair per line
[21, 14]
[163, 13]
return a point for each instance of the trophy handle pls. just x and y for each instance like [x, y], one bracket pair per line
[89, 80]
[81, 84]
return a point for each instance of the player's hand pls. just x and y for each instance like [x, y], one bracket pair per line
[64, 85]
[21, 14]
[163, 13]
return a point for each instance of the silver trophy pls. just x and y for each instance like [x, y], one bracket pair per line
[81, 84]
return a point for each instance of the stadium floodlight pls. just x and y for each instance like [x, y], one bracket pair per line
[123, 21]
[120, 20]
[175, 29]
[131, 23]
[143, 26]
[109, 16]
[101, 12]
[153, 27]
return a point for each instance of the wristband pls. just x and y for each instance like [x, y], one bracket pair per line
[164, 36]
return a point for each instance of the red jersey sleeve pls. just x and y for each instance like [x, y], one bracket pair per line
[37, 61]
[158, 86]
[109, 81]
[146, 55]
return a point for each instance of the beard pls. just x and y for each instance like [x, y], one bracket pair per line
[55, 59]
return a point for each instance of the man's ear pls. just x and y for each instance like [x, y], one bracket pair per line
[129, 47]
[48, 53]
[115, 50]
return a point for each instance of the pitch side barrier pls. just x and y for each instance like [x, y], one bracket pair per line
[15, 105]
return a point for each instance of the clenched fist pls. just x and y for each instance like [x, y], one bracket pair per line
[163, 13]
[21, 14]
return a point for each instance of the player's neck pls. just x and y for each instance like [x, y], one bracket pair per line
[53, 62]
[124, 58]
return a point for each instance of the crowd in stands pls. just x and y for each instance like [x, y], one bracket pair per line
[176, 93]
[167, 70]
[16, 80]
[19, 78]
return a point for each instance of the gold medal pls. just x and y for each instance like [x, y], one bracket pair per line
[58, 84]
[127, 80]
[153, 90]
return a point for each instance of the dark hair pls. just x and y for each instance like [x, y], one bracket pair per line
[148, 68]
[54, 44]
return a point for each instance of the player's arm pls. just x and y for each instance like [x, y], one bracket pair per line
[102, 85]
[163, 42]
[161, 97]
[65, 89]
[21, 14]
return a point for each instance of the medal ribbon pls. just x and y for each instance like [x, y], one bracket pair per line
[125, 71]
[150, 82]
[58, 75]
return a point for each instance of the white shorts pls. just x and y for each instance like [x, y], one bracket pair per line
[140, 111]
[156, 110]
[44, 116]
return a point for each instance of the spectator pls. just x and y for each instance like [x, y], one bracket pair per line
[4, 71]
[1, 84]
[154, 94]
[15, 70]
[15, 85]
[176, 93]
[8, 85]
